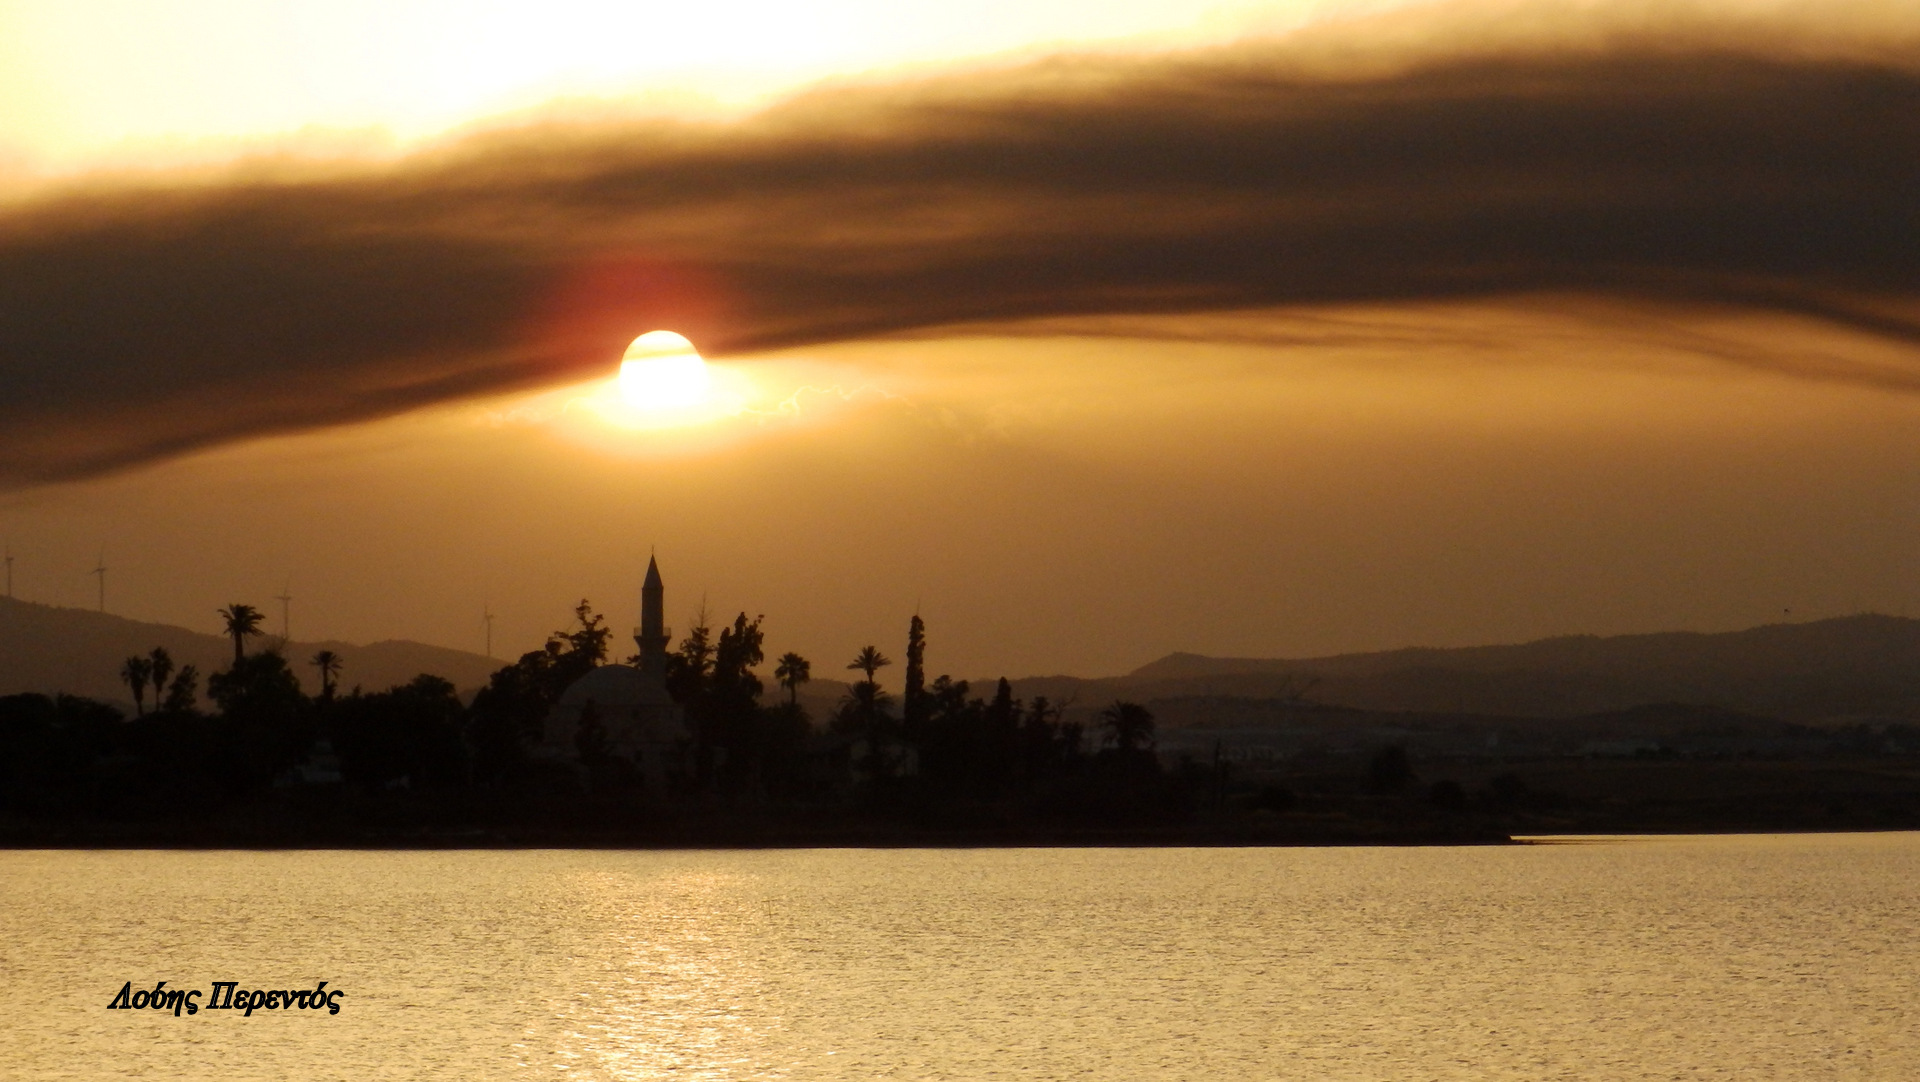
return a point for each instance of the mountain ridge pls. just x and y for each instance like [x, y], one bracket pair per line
[1865, 664]
[50, 649]
[1861, 665]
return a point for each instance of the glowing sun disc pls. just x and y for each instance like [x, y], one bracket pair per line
[661, 371]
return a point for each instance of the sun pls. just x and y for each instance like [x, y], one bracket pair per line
[664, 383]
[662, 372]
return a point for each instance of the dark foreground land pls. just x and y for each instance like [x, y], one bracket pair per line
[1446, 803]
[265, 764]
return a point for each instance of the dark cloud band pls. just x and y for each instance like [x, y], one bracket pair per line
[137, 323]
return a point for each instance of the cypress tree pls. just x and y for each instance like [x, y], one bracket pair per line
[913, 705]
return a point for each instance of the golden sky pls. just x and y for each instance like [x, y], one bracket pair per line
[1091, 332]
[125, 81]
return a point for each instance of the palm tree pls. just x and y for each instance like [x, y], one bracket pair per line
[162, 664]
[135, 672]
[870, 661]
[1129, 725]
[793, 671]
[328, 663]
[242, 621]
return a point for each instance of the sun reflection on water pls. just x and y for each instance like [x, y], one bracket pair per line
[669, 991]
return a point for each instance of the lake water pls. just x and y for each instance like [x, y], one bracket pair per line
[1792, 957]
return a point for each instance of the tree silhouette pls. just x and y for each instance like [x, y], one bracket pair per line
[792, 671]
[260, 700]
[329, 664]
[242, 621]
[136, 672]
[161, 664]
[1001, 725]
[730, 717]
[1039, 739]
[1129, 726]
[737, 652]
[589, 640]
[182, 696]
[864, 711]
[913, 704]
[405, 736]
[506, 715]
[953, 753]
[691, 663]
[262, 688]
[870, 661]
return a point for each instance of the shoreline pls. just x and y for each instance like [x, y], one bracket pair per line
[880, 836]
[499, 841]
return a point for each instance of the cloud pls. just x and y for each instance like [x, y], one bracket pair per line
[1740, 166]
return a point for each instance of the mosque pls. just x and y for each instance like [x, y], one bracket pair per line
[642, 722]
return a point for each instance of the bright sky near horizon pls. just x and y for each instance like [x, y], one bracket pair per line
[1213, 337]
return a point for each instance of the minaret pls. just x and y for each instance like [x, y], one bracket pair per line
[653, 630]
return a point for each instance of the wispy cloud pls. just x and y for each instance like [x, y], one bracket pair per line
[1770, 168]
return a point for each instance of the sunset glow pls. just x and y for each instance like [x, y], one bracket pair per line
[122, 82]
[1017, 539]
[1360, 322]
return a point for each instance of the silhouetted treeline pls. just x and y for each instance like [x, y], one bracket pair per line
[936, 753]
[262, 759]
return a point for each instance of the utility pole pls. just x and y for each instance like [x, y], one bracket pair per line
[9, 571]
[285, 597]
[486, 617]
[100, 571]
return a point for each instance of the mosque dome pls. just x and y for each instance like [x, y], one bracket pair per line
[639, 720]
[615, 687]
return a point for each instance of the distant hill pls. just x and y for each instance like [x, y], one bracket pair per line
[1855, 666]
[48, 649]
[1852, 666]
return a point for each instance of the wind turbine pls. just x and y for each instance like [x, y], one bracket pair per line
[285, 597]
[100, 571]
